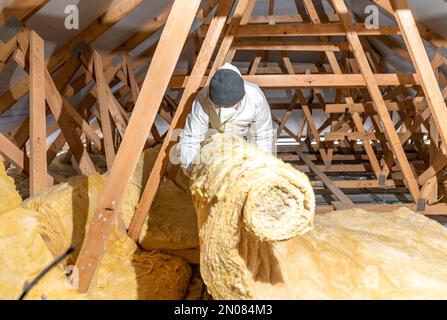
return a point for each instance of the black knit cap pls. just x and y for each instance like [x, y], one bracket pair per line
[226, 88]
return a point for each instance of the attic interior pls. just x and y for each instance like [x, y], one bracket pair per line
[93, 97]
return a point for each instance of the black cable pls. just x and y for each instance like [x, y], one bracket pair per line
[29, 286]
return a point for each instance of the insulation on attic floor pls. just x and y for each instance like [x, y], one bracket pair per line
[33, 234]
[342, 255]
[350, 254]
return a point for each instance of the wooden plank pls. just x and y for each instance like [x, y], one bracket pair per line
[103, 101]
[38, 156]
[306, 110]
[277, 19]
[86, 36]
[20, 10]
[146, 31]
[160, 71]
[344, 201]
[422, 64]
[84, 109]
[376, 95]
[284, 81]
[13, 154]
[178, 121]
[337, 70]
[287, 130]
[81, 122]
[67, 126]
[436, 166]
[20, 133]
[309, 30]
[357, 107]
[429, 190]
[435, 39]
[240, 17]
[275, 45]
[135, 92]
[19, 56]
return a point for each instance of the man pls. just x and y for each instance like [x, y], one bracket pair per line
[231, 105]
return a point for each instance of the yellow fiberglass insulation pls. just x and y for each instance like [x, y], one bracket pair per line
[350, 254]
[245, 197]
[24, 255]
[47, 224]
[125, 272]
[9, 198]
[170, 225]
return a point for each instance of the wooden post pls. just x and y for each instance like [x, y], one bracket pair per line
[104, 110]
[157, 79]
[38, 155]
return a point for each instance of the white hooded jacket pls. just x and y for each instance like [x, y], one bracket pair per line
[252, 121]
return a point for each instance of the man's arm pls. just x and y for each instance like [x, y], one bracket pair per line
[192, 135]
[262, 127]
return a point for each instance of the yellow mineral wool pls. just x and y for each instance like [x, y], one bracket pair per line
[245, 198]
[172, 223]
[126, 272]
[251, 248]
[32, 236]
[355, 254]
[24, 255]
[9, 197]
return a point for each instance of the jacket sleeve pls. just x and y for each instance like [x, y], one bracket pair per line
[262, 127]
[192, 135]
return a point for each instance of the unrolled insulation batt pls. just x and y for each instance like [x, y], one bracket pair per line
[255, 220]
[33, 235]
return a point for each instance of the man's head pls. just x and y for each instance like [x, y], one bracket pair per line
[227, 87]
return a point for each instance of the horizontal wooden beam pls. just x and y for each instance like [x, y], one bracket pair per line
[248, 45]
[309, 30]
[314, 80]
